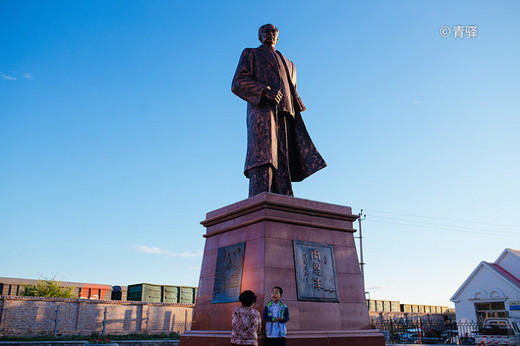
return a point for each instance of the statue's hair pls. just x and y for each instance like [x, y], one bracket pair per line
[262, 29]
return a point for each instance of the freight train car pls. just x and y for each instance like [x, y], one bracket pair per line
[145, 292]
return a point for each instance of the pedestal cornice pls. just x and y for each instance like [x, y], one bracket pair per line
[278, 208]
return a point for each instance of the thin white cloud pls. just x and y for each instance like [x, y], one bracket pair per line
[7, 77]
[14, 75]
[157, 251]
[147, 249]
[416, 102]
[375, 288]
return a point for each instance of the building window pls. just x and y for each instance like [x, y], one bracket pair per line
[489, 310]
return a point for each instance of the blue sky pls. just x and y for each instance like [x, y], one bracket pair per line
[118, 132]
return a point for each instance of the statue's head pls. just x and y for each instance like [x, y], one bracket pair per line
[268, 34]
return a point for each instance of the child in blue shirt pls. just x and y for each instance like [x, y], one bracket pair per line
[276, 315]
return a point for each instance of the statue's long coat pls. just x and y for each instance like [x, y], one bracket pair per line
[256, 70]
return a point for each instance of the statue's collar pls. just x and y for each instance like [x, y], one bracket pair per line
[268, 47]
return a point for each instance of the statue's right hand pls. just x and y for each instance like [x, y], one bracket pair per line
[273, 95]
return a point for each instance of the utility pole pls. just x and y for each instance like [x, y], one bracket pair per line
[362, 262]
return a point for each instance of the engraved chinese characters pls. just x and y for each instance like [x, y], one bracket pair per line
[228, 273]
[315, 271]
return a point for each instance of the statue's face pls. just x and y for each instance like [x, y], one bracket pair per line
[270, 35]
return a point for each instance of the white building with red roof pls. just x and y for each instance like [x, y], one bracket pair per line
[492, 290]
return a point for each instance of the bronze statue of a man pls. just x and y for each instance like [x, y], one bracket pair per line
[279, 149]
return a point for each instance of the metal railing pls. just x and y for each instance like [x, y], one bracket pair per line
[428, 332]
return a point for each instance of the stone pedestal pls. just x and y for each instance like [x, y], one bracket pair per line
[271, 228]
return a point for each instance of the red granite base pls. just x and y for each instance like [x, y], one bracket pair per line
[268, 224]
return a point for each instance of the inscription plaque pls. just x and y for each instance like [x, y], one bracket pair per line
[228, 273]
[315, 272]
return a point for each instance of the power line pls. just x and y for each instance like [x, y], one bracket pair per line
[446, 226]
[446, 230]
[442, 219]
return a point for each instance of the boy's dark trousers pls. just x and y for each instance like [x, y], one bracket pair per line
[275, 341]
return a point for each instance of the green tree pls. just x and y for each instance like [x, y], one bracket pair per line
[48, 288]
